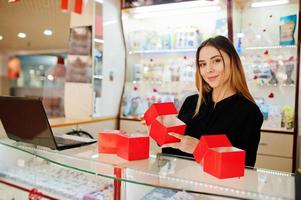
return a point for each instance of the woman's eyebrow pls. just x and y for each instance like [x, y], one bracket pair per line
[210, 58]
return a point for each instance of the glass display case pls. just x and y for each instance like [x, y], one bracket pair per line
[81, 173]
[266, 37]
[161, 42]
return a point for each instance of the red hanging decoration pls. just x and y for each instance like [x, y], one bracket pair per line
[64, 4]
[78, 6]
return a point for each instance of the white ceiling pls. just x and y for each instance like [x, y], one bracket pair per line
[33, 17]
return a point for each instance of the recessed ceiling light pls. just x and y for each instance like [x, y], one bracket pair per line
[21, 35]
[1, 37]
[47, 32]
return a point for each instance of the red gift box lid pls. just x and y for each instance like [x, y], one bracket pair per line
[210, 141]
[158, 109]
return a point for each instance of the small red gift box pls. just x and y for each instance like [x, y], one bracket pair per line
[108, 140]
[163, 125]
[133, 146]
[209, 141]
[158, 109]
[225, 162]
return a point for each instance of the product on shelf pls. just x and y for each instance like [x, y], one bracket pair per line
[287, 117]
[287, 29]
[70, 184]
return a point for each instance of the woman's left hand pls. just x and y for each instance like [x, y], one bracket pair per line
[187, 143]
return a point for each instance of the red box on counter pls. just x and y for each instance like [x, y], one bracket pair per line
[209, 141]
[108, 141]
[158, 109]
[163, 125]
[133, 146]
[225, 162]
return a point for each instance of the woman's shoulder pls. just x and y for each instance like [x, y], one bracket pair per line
[193, 97]
[249, 107]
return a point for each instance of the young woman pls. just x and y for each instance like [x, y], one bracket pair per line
[223, 104]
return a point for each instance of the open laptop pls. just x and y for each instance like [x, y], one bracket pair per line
[24, 119]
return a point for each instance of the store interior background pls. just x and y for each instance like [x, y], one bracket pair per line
[100, 98]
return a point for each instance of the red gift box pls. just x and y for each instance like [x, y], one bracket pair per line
[133, 146]
[158, 109]
[108, 141]
[209, 141]
[163, 125]
[225, 162]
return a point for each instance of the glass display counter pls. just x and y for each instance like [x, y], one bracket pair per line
[82, 173]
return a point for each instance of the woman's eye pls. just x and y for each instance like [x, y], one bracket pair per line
[202, 64]
[217, 60]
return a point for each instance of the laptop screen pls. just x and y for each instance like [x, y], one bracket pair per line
[24, 119]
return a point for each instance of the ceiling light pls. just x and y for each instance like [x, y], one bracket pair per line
[47, 32]
[269, 3]
[1, 37]
[174, 6]
[21, 35]
[177, 12]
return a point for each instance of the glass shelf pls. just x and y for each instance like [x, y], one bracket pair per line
[272, 47]
[159, 171]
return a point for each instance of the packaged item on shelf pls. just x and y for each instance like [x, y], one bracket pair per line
[159, 194]
[136, 40]
[287, 29]
[274, 66]
[221, 27]
[274, 119]
[165, 124]
[152, 40]
[263, 106]
[209, 141]
[133, 146]
[167, 194]
[289, 69]
[137, 72]
[287, 117]
[132, 104]
[166, 40]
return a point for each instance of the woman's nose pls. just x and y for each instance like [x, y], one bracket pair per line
[210, 67]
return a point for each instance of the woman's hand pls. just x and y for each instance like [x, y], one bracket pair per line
[187, 143]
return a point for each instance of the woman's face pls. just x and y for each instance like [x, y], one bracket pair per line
[212, 68]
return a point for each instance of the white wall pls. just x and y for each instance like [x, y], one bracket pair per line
[114, 59]
[113, 62]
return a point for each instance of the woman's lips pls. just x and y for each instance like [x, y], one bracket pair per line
[212, 78]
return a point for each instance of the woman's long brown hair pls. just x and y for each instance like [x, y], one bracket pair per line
[237, 76]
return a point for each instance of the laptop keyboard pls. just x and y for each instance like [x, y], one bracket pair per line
[65, 141]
